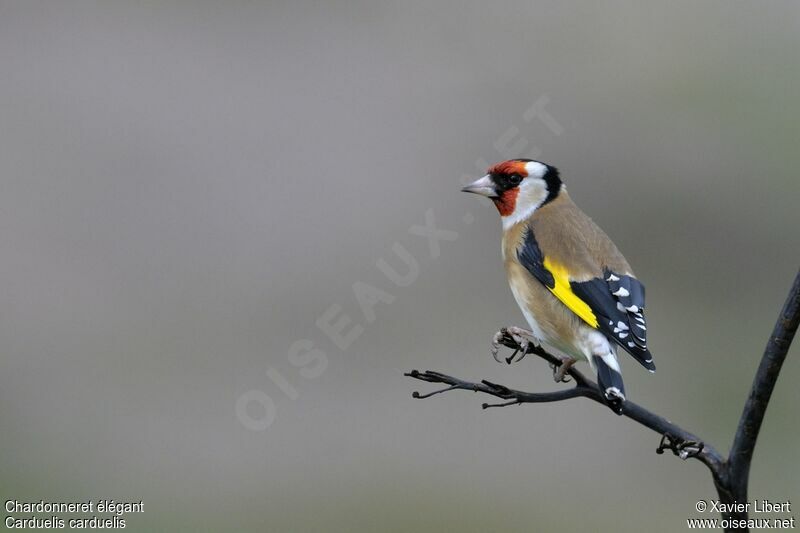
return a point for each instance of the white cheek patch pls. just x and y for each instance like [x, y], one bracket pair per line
[532, 192]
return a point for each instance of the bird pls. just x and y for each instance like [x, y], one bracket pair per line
[576, 290]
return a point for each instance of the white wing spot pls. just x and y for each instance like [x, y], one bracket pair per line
[612, 277]
[622, 292]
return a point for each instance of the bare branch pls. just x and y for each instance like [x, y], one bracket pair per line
[683, 443]
[744, 442]
[487, 387]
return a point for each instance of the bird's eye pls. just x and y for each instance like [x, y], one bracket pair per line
[515, 179]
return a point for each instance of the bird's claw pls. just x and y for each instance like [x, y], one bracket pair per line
[518, 336]
[560, 371]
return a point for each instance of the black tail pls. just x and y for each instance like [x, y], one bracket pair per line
[611, 386]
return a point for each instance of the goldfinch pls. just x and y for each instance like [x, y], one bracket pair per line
[575, 289]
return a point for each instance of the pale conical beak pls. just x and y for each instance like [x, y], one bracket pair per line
[483, 186]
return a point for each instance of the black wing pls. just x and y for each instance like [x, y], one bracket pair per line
[618, 302]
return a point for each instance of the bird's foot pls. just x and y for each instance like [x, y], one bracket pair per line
[560, 371]
[523, 338]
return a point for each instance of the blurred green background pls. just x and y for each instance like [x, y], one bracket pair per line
[187, 187]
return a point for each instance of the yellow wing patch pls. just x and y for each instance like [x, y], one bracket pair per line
[563, 292]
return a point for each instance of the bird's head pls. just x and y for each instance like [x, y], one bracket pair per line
[518, 187]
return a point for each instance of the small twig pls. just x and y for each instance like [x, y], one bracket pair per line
[505, 404]
[487, 387]
[584, 388]
[417, 395]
